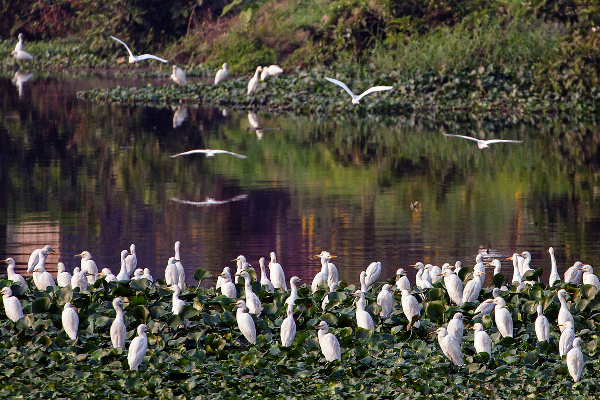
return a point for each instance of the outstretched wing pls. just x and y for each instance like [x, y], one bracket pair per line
[373, 89]
[503, 141]
[230, 153]
[147, 56]
[123, 43]
[185, 153]
[465, 137]
[342, 84]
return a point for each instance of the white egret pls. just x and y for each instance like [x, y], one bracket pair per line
[70, 321]
[178, 76]
[17, 279]
[567, 336]
[252, 301]
[88, 266]
[457, 267]
[288, 327]
[134, 59]
[264, 280]
[107, 274]
[454, 286]
[221, 74]
[253, 83]
[19, 45]
[179, 265]
[484, 144]
[472, 288]
[240, 261]
[526, 261]
[147, 275]
[79, 280]
[450, 347]
[402, 282]
[574, 273]
[123, 273]
[588, 276]
[554, 276]
[564, 314]
[41, 277]
[542, 326]
[176, 303]
[373, 273]
[271, 70]
[497, 266]
[21, 55]
[363, 318]
[221, 277]
[575, 360]
[456, 327]
[385, 299]
[131, 260]
[421, 280]
[333, 278]
[276, 273]
[363, 281]
[411, 309]
[479, 266]
[12, 305]
[171, 276]
[209, 153]
[487, 306]
[330, 346]
[355, 98]
[137, 348]
[293, 290]
[227, 286]
[63, 278]
[35, 256]
[436, 274]
[516, 279]
[503, 318]
[137, 274]
[320, 277]
[482, 341]
[118, 330]
[245, 322]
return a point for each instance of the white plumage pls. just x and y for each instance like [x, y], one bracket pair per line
[487, 306]
[454, 286]
[554, 276]
[178, 76]
[456, 327]
[484, 144]
[575, 360]
[226, 285]
[88, 266]
[588, 276]
[564, 314]
[411, 308]
[245, 322]
[330, 346]
[252, 301]
[253, 83]
[107, 274]
[294, 290]
[63, 278]
[482, 341]
[118, 331]
[123, 274]
[402, 282]
[276, 273]
[35, 256]
[503, 318]
[373, 273]
[131, 260]
[180, 270]
[271, 70]
[70, 321]
[450, 347]
[385, 299]
[363, 318]
[137, 348]
[264, 280]
[472, 288]
[176, 303]
[288, 327]
[78, 280]
[41, 277]
[134, 59]
[567, 337]
[574, 273]
[17, 279]
[12, 305]
[171, 276]
[221, 74]
[355, 98]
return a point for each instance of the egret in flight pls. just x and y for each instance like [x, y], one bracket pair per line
[134, 59]
[209, 153]
[355, 98]
[484, 144]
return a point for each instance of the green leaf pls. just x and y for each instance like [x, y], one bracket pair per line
[531, 358]
[465, 273]
[201, 274]
[40, 305]
[188, 311]
[436, 294]
[139, 285]
[137, 300]
[435, 311]
[140, 313]
[229, 6]
[499, 280]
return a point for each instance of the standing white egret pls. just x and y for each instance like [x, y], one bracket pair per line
[363, 282]
[123, 273]
[567, 337]
[176, 303]
[355, 98]
[588, 276]
[178, 76]
[147, 275]
[118, 330]
[373, 273]
[542, 326]
[180, 270]
[288, 327]
[171, 275]
[402, 282]
[21, 55]
[107, 274]
[240, 261]
[526, 261]
[227, 286]
[421, 280]
[564, 314]
[482, 341]
[19, 45]
[333, 277]
[294, 290]
[575, 360]
[137, 348]
[79, 280]
[41, 277]
[17, 279]
[253, 83]
[487, 306]
[70, 321]
[63, 278]
[131, 261]
[363, 318]
[320, 277]
[411, 309]
[245, 322]
[436, 274]
[385, 299]
[221, 74]
[35, 256]
[264, 280]
[484, 144]
[12, 305]
[454, 286]
[457, 267]
[137, 274]
[330, 346]
[88, 266]
[516, 279]
[554, 276]
[450, 347]
[134, 59]
[574, 273]
[252, 301]
[472, 288]
[503, 318]
[276, 273]
[456, 327]
[497, 266]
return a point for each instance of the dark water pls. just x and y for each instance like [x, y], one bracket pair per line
[85, 176]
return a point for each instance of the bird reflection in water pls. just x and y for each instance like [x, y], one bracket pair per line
[210, 201]
[179, 115]
[19, 79]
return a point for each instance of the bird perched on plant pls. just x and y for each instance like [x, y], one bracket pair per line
[88, 266]
[276, 273]
[373, 273]
[245, 322]
[12, 305]
[271, 70]
[70, 321]
[178, 76]
[118, 331]
[253, 83]
[17, 279]
[450, 346]
[363, 318]
[252, 301]
[402, 282]
[63, 278]
[293, 290]
[411, 309]
[226, 285]
[542, 326]
[564, 314]
[36, 255]
[330, 346]
[456, 327]
[288, 327]
[575, 360]
[264, 280]
[481, 339]
[567, 337]
[138, 348]
[385, 299]
[503, 318]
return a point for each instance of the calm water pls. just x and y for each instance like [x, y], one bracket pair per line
[85, 176]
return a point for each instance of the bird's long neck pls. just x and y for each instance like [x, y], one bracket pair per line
[360, 304]
[554, 269]
[263, 272]
[120, 315]
[516, 271]
[294, 290]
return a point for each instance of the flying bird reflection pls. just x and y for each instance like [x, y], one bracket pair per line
[210, 201]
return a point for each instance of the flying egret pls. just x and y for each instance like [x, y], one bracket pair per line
[454, 286]
[245, 322]
[178, 76]
[293, 290]
[484, 144]
[253, 83]
[123, 274]
[554, 276]
[171, 276]
[17, 279]
[63, 278]
[588, 276]
[330, 346]
[209, 153]
[70, 321]
[179, 265]
[487, 306]
[226, 285]
[567, 336]
[137, 348]
[503, 318]
[288, 327]
[564, 314]
[450, 347]
[79, 280]
[134, 59]
[373, 273]
[385, 299]
[118, 330]
[575, 360]
[542, 326]
[411, 309]
[276, 273]
[131, 260]
[481, 339]
[252, 301]
[176, 303]
[12, 305]
[402, 282]
[456, 327]
[363, 318]
[34, 258]
[221, 74]
[574, 273]
[472, 288]
[355, 98]
[88, 266]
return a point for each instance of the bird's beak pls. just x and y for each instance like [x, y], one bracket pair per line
[235, 259]
[509, 258]
[433, 333]
[52, 252]
[78, 255]
[5, 260]
[440, 275]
